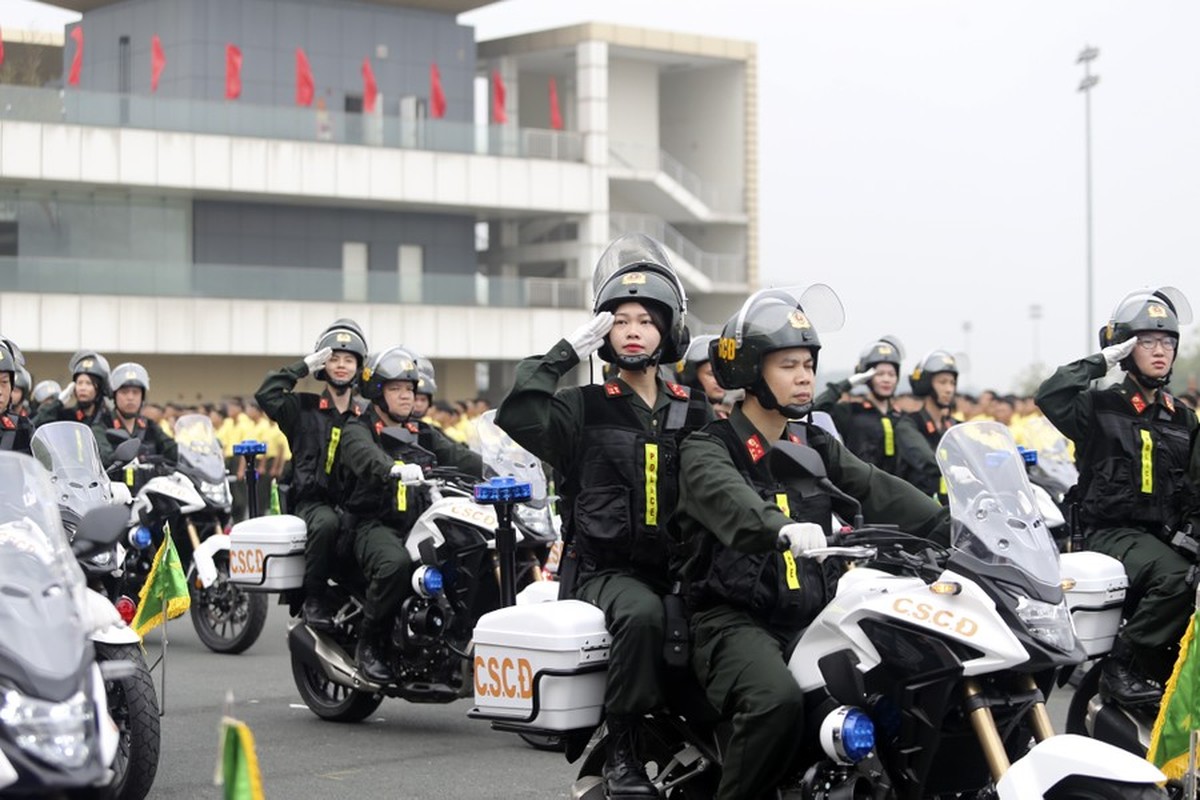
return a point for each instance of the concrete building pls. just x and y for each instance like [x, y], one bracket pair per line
[213, 238]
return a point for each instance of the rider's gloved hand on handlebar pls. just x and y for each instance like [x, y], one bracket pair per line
[315, 361]
[67, 394]
[1115, 353]
[859, 378]
[408, 473]
[801, 537]
[588, 337]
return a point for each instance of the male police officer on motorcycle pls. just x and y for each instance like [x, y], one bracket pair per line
[935, 381]
[694, 371]
[616, 445]
[131, 384]
[749, 598]
[313, 425]
[1138, 477]
[872, 427]
[16, 431]
[382, 446]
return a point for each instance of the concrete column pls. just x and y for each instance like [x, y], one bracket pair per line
[591, 103]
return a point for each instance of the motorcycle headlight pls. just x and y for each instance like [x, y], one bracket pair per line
[1048, 622]
[104, 559]
[536, 520]
[57, 733]
[217, 493]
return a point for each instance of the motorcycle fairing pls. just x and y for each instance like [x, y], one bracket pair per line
[1068, 754]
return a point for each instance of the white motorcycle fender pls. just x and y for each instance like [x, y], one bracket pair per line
[203, 557]
[8, 774]
[1046, 507]
[105, 623]
[1068, 754]
[109, 735]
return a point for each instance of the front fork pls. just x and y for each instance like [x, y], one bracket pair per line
[985, 728]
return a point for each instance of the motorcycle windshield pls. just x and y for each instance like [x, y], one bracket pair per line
[69, 452]
[994, 516]
[504, 457]
[1053, 451]
[199, 449]
[42, 632]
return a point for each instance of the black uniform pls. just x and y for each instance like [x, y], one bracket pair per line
[155, 441]
[16, 432]
[99, 419]
[619, 461]
[1138, 473]
[313, 427]
[888, 440]
[384, 510]
[748, 598]
[930, 428]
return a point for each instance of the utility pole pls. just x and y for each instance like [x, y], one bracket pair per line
[1086, 57]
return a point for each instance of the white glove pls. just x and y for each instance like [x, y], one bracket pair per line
[67, 394]
[802, 536]
[859, 378]
[587, 339]
[408, 473]
[1113, 354]
[317, 360]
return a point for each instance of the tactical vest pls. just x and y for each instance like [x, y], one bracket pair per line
[16, 432]
[783, 592]
[314, 446]
[623, 488]
[1133, 466]
[930, 428]
[871, 435]
[397, 505]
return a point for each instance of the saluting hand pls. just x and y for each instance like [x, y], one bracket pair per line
[1115, 353]
[588, 338]
[317, 360]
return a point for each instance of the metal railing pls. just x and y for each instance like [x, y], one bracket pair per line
[650, 157]
[236, 118]
[720, 267]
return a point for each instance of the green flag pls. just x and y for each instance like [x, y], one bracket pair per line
[165, 590]
[1179, 713]
[238, 767]
[274, 508]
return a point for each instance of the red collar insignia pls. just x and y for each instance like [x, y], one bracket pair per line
[679, 391]
[141, 423]
[78, 415]
[612, 389]
[324, 404]
[8, 423]
[1139, 402]
[379, 426]
[754, 446]
[929, 426]
[794, 439]
[1169, 402]
[116, 423]
[413, 427]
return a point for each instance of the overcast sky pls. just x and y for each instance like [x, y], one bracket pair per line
[926, 158]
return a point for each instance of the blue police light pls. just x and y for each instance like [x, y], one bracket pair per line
[427, 581]
[503, 490]
[1030, 456]
[140, 537]
[249, 447]
[858, 735]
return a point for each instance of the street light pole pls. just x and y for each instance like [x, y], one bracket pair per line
[1086, 57]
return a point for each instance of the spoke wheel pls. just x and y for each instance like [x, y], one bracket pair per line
[329, 700]
[227, 618]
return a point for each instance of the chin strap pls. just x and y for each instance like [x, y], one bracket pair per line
[638, 363]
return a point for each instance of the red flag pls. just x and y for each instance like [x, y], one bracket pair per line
[370, 90]
[555, 112]
[499, 116]
[77, 60]
[304, 79]
[1, 49]
[437, 98]
[157, 61]
[233, 72]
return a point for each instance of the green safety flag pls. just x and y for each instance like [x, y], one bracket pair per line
[1179, 713]
[274, 507]
[165, 590]
[237, 764]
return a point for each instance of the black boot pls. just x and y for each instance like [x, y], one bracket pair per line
[369, 653]
[318, 611]
[1122, 682]
[624, 775]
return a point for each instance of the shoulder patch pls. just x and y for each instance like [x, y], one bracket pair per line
[754, 447]
[612, 389]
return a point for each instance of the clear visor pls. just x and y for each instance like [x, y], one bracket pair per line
[1131, 304]
[768, 310]
[29, 519]
[635, 250]
[198, 446]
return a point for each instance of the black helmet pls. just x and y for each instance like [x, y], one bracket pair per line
[1163, 310]
[44, 391]
[345, 335]
[635, 268]
[89, 362]
[13, 350]
[130, 373]
[8, 364]
[884, 350]
[696, 355]
[393, 364]
[427, 385]
[770, 320]
[932, 364]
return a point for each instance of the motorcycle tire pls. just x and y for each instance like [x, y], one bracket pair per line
[133, 705]
[331, 701]
[1077, 712]
[1081, 787]
[657, 747]
[227, 618]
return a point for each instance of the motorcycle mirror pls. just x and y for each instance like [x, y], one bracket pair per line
[117, 435]
[399, 434]
[842, 678]
[98, 529]
[792, 460]
[126, 451]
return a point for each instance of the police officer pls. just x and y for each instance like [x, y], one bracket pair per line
[871, 426]
[88, 388]
[1137, 477]
[16, 431]
[131, 384]
[426, 389]
[694, 371]
[382, 451]
[22, 383]
[313, 425]
[42, 393]
[749, 597]
[935, 381]
[616, 446]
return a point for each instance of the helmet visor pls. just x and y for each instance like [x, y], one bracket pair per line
[633, 252]
[1131, 304]
[768, 310]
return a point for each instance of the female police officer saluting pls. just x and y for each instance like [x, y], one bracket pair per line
[616, 445]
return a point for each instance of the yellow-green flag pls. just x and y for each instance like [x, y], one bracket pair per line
[274, 507]
[165, 590]
[1179, 713]
[238, 768]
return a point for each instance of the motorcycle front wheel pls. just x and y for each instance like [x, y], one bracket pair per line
[133, 705]
[1081, 787]
[227, 618]
[1077, 712]
[329, 700]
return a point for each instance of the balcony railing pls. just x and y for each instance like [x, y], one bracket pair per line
[235, 118]
[244, 282]
[720, 267]
[650, 157]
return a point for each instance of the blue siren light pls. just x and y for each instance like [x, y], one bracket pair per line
[503, 490]
[140, 537]
[858, 735]
[249, 447]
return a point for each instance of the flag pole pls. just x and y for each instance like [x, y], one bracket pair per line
[162, 705]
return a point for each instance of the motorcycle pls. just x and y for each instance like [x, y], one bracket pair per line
[193, 502]
[1051, 474]
[455, 580]
[68, 452]
[924, 677]
[57, 735]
